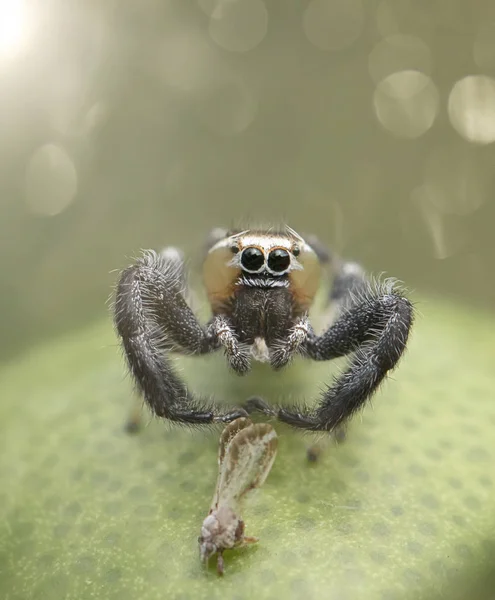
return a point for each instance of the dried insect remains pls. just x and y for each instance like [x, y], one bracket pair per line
[245, 456]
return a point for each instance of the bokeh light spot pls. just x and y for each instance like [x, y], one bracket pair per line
[238, 25]
[399, 53]
[333, 25]
[51, 180]
[406, 103]
[471, 108]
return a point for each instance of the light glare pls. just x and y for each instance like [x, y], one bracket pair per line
[13, 27]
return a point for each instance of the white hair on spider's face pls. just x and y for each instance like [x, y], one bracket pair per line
[264, 251]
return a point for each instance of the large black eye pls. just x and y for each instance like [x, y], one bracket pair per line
[252, 259]
[278, 260]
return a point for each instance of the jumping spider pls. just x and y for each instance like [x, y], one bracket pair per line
[260, 285]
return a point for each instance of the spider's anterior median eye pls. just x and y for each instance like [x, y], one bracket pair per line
[278, 260]
[252, 259]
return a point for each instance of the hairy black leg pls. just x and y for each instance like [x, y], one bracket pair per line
[322, 252]
[221, 332]
[283, 351]
[215, 235]
[135, 417]
[349, 277]
[349, 281]
[175, 259]
[375, 328]
[315, 450]
[257, 404]
[153, 318]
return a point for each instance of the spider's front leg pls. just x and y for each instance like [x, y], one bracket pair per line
[374, 327]
[373, 324]
[152, 319]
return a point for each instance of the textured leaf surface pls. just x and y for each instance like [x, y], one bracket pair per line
[404, 505]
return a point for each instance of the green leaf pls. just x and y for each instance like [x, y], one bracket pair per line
[405, 504]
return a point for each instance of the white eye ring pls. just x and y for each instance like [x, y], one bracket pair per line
[257, 253]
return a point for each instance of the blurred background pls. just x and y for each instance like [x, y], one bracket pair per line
[128, 125]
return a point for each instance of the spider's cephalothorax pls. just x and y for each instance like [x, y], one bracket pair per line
[264, 283]
[260, 285]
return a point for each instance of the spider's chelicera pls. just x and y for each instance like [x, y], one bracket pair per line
[260, 285]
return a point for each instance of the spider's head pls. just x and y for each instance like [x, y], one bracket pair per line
[264, 254]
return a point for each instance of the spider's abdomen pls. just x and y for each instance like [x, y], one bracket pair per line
[266, 313]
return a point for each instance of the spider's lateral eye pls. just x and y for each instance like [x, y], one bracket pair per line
[279, 260]
[296, 251]
[252, 258]
[234, 249]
